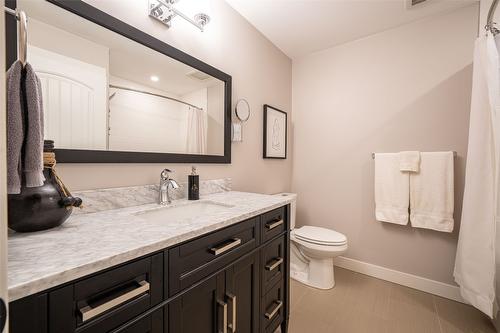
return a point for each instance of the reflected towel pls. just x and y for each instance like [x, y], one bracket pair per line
[409, 161]
[391, 190]
[432, 192]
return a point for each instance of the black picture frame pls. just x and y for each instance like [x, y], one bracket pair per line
[109, 22]
[265, 154]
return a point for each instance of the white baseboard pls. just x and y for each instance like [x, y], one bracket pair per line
[409, 280]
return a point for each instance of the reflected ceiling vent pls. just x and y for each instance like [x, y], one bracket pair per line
[413, 3]
[198, 75]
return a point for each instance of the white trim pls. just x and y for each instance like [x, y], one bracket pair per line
[3, 175]
[409, 280]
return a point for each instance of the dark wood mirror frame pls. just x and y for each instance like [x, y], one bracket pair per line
[107, 21]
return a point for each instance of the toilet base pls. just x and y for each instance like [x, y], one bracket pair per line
[318, 273]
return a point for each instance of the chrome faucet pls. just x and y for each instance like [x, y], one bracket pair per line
[165, 183]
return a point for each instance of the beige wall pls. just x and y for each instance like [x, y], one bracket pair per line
[261, 73]
[403, 89]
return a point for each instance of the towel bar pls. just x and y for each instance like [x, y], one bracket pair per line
[454, 154]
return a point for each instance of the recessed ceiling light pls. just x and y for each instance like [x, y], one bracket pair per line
[154, 78]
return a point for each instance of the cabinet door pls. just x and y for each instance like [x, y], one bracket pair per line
[201, 309]
[29, 315]
[242, 295]
[152, 323]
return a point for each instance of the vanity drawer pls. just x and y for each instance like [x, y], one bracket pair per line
[273, 263]
[273, 223]
[107, 300]
[152, 323]
[272, 308]
[196, 259]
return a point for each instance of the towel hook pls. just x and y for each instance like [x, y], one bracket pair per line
[22, 32]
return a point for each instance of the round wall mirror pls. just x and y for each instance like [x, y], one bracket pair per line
[242, 110]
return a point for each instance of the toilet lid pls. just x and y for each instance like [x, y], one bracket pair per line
[318, 235]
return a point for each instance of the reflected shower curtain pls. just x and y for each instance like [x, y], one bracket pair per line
[475, 266]
[197, 131]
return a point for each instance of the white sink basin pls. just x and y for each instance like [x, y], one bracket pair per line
[183, 212]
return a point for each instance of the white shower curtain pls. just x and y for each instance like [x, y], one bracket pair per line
[197, 131]
[475, 269]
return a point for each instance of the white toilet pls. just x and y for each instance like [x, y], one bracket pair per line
[312, 250]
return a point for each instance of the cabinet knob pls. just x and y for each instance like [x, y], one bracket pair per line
[88, 312]
[232, 303]
[276, 262]
[275, 223]
[223, 327]
[226, 246]
[273, 312]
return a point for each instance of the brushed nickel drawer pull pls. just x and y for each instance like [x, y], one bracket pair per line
[89, 312]
[274, 224]
[232, 302]
[224, 317]
[278, 261]
[224, 248]
[270, 315]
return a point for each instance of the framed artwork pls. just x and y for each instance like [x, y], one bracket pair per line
[275, 133]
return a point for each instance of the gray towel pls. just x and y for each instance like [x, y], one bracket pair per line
[33, 149]
[15, 128]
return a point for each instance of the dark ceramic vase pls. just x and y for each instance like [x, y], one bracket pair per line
[40, 208]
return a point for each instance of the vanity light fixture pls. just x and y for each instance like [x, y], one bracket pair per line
[164, 11]
[154, 78]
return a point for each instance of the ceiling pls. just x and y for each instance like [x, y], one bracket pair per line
[300, 27]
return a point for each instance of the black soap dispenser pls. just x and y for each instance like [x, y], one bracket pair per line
[193, 185]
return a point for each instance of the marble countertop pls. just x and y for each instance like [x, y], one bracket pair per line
[88, 243]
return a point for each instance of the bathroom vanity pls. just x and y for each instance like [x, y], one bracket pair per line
[216, 265]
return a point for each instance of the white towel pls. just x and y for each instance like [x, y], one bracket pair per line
[432, 193]
[391, 190]
[409, 161]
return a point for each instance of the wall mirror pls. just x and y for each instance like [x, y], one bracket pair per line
[115, 94]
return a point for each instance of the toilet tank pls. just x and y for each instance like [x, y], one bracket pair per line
[293, 207]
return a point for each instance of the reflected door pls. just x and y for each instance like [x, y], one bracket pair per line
[74, 98]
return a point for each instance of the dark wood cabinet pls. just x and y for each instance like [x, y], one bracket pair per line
[232, 280]
[272, 308]
[193, 260]
[107, 300]
[152, 323]
[199, 310]
[29, 314]
[242, 294]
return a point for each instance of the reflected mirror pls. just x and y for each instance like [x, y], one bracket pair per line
[104, 92]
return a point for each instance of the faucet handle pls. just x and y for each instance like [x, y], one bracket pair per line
[165, 174]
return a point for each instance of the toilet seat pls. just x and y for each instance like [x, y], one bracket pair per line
[320, 236]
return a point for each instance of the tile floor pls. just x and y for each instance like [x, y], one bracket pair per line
[360, 303]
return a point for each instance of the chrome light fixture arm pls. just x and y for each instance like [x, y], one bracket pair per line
[165, 11]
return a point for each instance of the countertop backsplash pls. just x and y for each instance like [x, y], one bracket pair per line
[121, 197]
